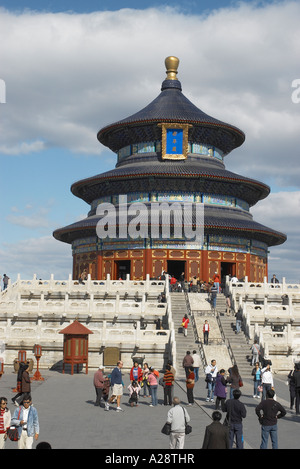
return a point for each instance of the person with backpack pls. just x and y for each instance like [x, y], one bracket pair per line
[185, 323]
[134, 389]
[211, 372]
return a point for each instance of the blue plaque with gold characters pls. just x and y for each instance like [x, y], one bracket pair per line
[175, 141]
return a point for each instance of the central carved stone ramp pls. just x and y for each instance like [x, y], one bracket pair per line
[179, 309]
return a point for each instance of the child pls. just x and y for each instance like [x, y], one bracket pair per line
[105, 392]
[134, 389]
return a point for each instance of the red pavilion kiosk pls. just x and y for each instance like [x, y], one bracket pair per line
[76, 345]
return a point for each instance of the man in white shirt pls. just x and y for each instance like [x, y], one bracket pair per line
[211, 375]
[266, 380]
[177, 417]
[26, 419]
[196, 364]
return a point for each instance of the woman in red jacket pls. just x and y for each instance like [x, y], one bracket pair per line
[136, 373]
[185, 323]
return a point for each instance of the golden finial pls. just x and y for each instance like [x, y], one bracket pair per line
[171, 64]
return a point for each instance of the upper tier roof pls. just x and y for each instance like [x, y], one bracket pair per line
[171, 106]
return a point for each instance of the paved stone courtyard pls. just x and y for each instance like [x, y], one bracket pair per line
[69, 419]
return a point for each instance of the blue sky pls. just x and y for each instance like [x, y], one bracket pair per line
[187, 6]
[71, 68]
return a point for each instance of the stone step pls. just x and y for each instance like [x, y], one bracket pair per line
[239, 345]
[183, 344]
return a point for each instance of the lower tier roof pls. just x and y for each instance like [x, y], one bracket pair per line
[217, 220]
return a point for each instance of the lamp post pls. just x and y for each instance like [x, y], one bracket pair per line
[22, 356]
[37, 353]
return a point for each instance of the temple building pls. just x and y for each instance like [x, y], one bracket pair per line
[170, 162]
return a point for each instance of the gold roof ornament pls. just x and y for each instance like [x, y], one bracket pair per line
[171, 64]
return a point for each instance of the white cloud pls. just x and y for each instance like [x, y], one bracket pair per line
[33, 218]
[281, 211]
[41, 256]
[68, 75]
[22, 148]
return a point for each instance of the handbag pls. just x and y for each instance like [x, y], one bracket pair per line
[188, 428]
[161, 382]
[13, 432]
[241, 382]
[166, 429]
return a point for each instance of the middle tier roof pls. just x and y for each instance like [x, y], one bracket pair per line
[148, 174]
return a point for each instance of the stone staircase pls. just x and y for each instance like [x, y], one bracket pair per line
[221, 303]
[238, 342]
[239, 345]
[179, 309]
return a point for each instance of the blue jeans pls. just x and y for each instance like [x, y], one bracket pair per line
[265, 432]
[196, 371]
[266, 386]
[256, 384]
[146, 388]
[211, 389]
[236, 430]
[238, 326]
[153, 390]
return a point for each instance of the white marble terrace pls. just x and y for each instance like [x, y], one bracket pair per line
[120, 313]
[271, 314]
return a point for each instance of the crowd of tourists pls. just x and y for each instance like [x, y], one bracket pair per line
[147, 384]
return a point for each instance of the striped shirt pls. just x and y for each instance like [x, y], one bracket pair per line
[2, 412]
[168, 378]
